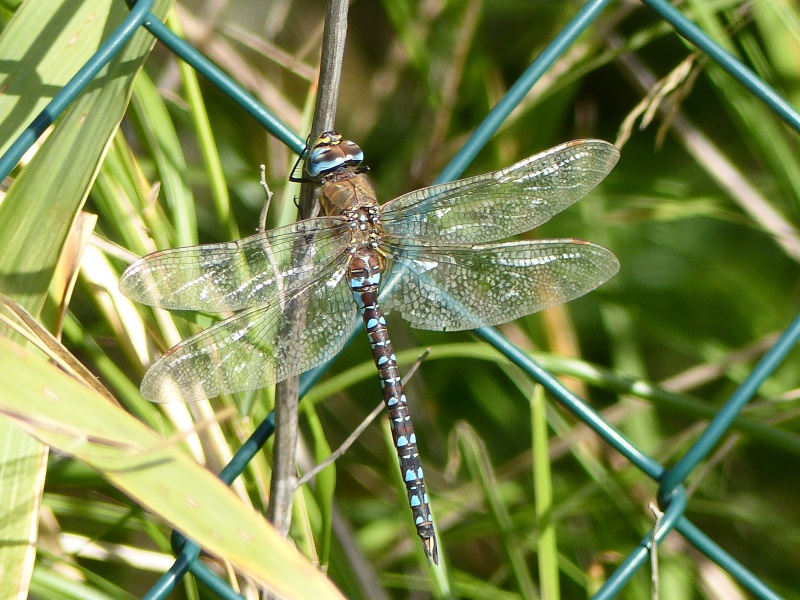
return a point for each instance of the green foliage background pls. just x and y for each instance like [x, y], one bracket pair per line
[708, 278]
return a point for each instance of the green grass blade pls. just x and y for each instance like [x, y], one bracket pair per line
[208, 147]
[158, 130]
[47, 43]
[477, 461]
[543, 486]
[76, 420]
[41, 206]
[324, 483]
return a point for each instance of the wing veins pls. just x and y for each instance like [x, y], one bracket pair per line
[502, 203]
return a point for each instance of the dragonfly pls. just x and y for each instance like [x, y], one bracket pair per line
[433, 255]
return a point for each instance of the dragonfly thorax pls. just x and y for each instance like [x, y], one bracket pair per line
[354, 199]
[348, 191]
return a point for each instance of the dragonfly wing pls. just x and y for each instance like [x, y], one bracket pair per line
[503, 203]
[464, 287]
[257, 347]
[236, 275]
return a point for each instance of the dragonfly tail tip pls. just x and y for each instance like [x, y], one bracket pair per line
[431, 550]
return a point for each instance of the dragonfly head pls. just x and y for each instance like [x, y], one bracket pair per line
[331, 153]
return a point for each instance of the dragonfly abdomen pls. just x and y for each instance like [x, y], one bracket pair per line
[365, 273]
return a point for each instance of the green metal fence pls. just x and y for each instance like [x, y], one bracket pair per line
[672, 496]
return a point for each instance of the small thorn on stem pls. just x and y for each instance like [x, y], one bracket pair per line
[262, 222]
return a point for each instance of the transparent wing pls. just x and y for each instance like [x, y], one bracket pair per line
[503, 203]
[236, 275]
[256, 348]
[464, 287]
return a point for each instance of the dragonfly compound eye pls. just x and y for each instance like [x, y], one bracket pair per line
[331, 153]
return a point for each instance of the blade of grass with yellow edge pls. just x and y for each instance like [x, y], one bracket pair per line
[43, 46]
[61, 412]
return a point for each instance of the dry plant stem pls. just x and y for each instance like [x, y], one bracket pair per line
[363, 570]
[345, 446]
[262, 220]
[359, 430]
[32, 331]
[330, 75]
[230, 59]
[449, 85]
[712, 159]
[654, 550]
[284, 471]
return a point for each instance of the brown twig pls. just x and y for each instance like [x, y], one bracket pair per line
[284, 474]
